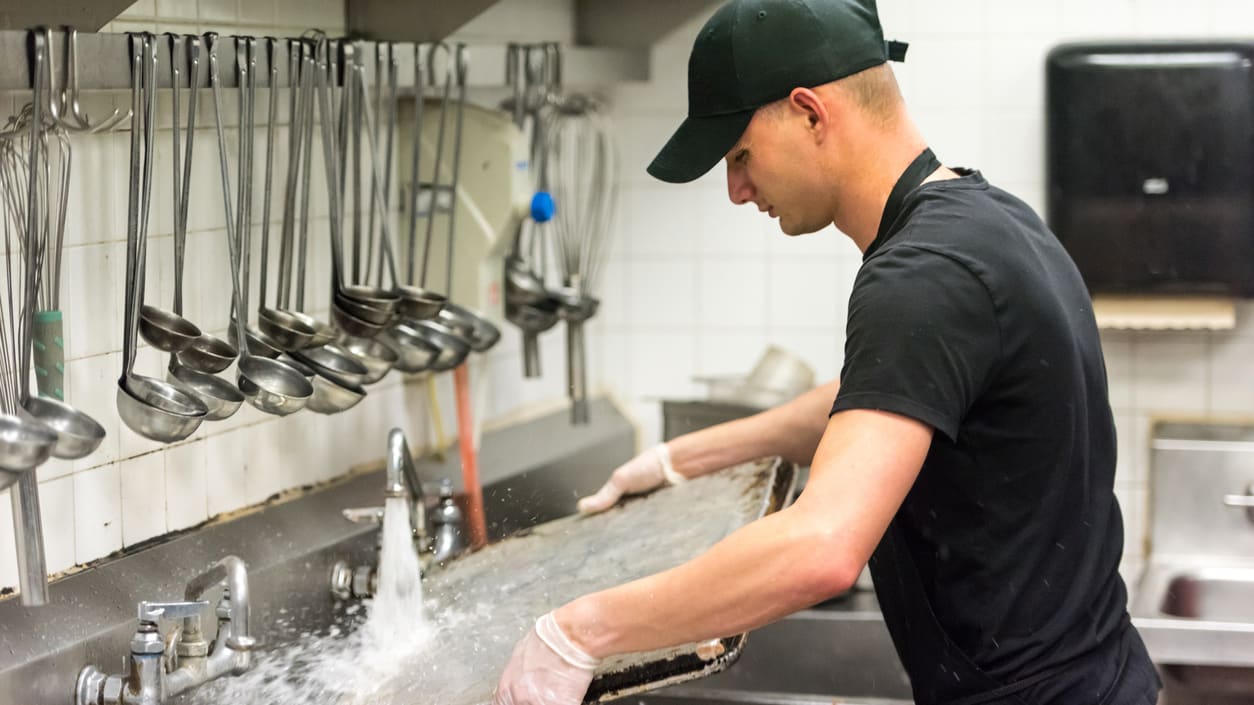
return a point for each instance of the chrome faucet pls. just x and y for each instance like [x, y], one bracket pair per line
[402, 481]
[161, 668]
[437, 538]
[1245, 501]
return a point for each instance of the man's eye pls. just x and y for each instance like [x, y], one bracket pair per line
[742, 156]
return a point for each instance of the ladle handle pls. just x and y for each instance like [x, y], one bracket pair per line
[265, 193]
[439, 149]
[461, 60]
[131, 313]
[415, 181]
[329, 154]
[297, 126]
[306, 148]
[232, 243]
[385, 234]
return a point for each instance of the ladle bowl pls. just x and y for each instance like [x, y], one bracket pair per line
[522, 286]
[24, 445]
[78, 435]
[299, 366]
[221, 397]
[335, 360]
[333, 394]
[377, 358]
[272, 386]
[372, 295]
[166, 331]
[258, 344]
[367, 311]
[451, 348]
[414, 352]
[284, 330]
[323, 332]
[158, 410]
[418, 303]
[208, 353]
[353, 325]
[483, 333]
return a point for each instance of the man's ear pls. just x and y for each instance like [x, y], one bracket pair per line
[807, 103]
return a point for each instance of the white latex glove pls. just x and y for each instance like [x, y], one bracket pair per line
[547, 668]
[649, 470]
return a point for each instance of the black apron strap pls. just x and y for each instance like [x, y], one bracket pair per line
[910, 179]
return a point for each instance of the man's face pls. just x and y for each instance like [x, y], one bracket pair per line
[772, 167]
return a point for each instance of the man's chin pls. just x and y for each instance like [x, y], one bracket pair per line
[794, 229]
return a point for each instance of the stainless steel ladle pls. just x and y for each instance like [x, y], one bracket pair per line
[221, 397]
[208, 354]
[283, 328]
[267, 384]
[150, 407]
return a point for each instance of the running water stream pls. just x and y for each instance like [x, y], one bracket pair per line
[349, 667]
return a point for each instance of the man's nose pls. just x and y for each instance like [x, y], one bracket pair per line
[739, 189]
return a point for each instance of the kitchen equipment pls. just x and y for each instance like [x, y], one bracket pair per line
[152, 408]
[581, 169]
[777, 377]
[268, 384]
[1150, 166]
[300, 145]
[528, 302]
[206, 353]
[287, 330]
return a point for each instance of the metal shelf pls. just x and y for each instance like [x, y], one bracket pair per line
[104, 62]
[84, 16]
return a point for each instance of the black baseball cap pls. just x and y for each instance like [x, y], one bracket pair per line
[754, 52]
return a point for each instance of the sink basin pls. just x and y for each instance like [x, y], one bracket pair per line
[1213, 595]
[1197, 620]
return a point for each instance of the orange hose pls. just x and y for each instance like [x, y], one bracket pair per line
[470, 458]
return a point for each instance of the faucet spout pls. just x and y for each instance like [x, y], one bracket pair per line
[235, 573]
[402, 481]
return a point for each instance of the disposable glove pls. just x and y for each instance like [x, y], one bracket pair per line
[649, 470]
[547, 668]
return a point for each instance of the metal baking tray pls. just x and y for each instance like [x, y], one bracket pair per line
[487, 601]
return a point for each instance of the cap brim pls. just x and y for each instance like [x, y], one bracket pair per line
[698, 144]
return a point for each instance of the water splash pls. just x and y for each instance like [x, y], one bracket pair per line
[357, 660]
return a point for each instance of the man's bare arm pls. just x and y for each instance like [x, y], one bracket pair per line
[865, 465]
[791, 430]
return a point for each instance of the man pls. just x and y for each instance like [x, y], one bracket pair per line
[969, 454]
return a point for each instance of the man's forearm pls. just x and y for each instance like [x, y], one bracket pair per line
[762, 572]
[791, 430]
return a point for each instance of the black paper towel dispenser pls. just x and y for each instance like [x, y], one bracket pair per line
[1150, 159]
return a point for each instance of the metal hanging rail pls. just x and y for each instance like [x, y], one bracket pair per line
[103, 62]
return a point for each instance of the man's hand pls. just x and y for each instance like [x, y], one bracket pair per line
[649, 470]
[547, 668]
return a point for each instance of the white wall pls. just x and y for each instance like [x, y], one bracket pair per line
[700, 287]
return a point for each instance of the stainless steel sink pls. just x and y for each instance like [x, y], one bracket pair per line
[1194, 604]
[1221, 595]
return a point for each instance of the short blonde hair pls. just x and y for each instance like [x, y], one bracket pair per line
[874, 90]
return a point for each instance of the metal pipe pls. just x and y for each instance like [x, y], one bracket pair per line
[28, 530]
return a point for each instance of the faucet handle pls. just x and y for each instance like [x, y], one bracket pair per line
[364, 515]
[153, 611]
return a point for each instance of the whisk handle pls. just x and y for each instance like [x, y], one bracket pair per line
[48, 351]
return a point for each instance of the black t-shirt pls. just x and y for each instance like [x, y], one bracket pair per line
[968, 315]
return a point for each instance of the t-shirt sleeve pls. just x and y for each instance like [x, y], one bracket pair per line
[922, 338]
